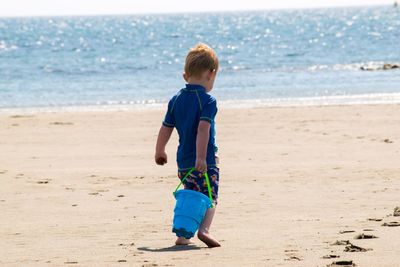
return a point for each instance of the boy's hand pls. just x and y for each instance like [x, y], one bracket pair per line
[201, 165]
[161, 158]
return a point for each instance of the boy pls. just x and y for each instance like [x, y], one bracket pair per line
[192, 111]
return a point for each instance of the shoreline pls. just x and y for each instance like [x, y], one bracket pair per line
[339, 100]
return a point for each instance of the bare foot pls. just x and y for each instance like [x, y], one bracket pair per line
[182, 241]
[207, 239]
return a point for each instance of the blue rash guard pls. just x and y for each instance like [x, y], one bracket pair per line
[185, 110]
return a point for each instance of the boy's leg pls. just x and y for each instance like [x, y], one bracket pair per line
[203, 234]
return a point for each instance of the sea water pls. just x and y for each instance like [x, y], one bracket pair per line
[276, 57]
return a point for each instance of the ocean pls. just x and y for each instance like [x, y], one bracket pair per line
[310, 56]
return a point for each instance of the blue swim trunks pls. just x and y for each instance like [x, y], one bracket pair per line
[197, 181]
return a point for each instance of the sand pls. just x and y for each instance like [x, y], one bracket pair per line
[81, 188]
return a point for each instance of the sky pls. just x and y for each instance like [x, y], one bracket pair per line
[97, 7]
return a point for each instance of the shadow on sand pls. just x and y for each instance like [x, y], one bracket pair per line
[171, 249]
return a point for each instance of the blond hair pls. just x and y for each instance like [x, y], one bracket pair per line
[200, 58]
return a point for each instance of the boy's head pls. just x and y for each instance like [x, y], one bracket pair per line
[201, 66]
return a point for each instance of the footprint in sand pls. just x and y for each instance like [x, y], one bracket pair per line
[21, 116]
[61, 123]
[396, 211]
[341, 243]
[149, 265]
[341, 263]
[354, 248]
[391, 224]
[293, 258]
[290, 253]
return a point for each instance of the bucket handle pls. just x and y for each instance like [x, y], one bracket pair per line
[207, 182]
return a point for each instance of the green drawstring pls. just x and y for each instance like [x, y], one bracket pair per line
[209, 189]
[207, 182]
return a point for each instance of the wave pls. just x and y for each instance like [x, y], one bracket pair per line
[361, 99]
[363, 66]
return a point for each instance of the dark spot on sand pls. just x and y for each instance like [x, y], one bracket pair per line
[346, 231]
[43, 182]
[331, 256]
[121, 260]
[388, 141]
[102, 190]
[375, 219]
[120, 196]
[365, 236]
[341, 263]
[74, 205]
[61, 123]
[71, 262]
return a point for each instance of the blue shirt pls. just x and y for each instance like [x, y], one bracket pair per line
[185, 110]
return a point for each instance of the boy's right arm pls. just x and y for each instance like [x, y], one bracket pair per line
[163, 137]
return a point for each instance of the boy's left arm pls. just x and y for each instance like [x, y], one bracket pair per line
[163, 137]
[203, 134]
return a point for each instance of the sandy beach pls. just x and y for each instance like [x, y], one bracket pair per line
[82, 189]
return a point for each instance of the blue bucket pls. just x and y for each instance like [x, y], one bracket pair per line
[190, 208]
